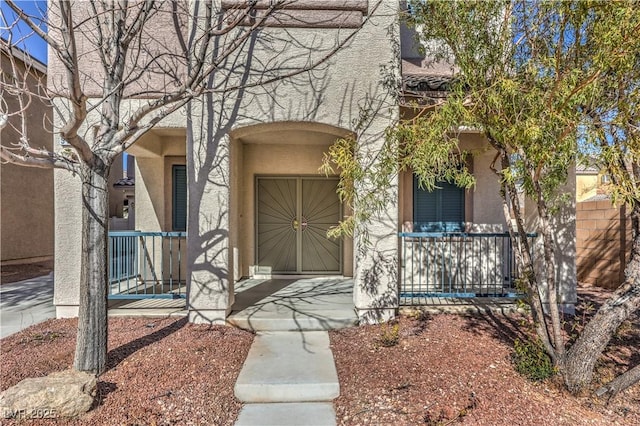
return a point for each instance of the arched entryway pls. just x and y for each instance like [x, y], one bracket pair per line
[282, 204]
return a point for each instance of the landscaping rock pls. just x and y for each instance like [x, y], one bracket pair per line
[67, 393]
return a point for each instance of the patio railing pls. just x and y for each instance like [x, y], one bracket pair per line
[147, 265]
[453, 264]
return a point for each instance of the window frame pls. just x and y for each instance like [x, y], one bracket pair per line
[175, 223]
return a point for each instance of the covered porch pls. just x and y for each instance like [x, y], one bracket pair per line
[439, 272]
[148, 276]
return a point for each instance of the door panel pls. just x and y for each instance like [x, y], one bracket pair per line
[293, 216]
[276, 213]
[320, 210]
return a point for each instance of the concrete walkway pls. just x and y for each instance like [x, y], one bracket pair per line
[25, 303]
[289, 376]
[303, 304]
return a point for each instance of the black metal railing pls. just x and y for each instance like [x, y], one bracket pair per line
[146, 265]
[456, 264]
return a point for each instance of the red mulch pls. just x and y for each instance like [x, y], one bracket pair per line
[160, 371]
[454, 369]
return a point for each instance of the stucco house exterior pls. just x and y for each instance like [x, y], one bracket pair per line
[592, 182]
[26, 193]
[232, 186]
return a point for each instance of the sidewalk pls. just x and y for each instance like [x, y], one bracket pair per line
[289, 376]
[25, 303]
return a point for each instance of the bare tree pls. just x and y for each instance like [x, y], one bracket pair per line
[114, 76]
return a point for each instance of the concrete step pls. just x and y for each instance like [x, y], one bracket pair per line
[286, 414]
[321, 303]
[293, 321]
[288, 367]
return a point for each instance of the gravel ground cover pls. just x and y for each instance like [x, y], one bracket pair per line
[160, 371]
[454, 369]
[444, 369]
[24, 271]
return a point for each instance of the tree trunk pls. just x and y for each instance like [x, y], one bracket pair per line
[620, 383]
[91, 343]
[523, 251]
[582, 356]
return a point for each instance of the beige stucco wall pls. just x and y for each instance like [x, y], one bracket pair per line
[68, 243]
[586, 186]
[150, 194]
[161, 41]
[331, 95]
[26, 193]
[154, 156]
[67, 192]
[488, 215]
[563, 223]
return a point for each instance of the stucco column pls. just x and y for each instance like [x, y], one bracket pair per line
[67, 249]
[563, 223]
[68, 243]
[375, 288]
[210, 281]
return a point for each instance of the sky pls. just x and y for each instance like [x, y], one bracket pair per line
[22, 36]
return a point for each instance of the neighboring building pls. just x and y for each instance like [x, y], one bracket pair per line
[26, 194]
[603, 229]
[122, 185]
[591, 181]
[243, 182]
[603, 240]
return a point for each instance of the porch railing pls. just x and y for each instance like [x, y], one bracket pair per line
[147, 265]
[456, 264]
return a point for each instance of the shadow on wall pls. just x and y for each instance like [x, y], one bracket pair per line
[603, 243]
[376, 285]
[240, 98]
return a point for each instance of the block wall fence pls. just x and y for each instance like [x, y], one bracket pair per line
[603, 243]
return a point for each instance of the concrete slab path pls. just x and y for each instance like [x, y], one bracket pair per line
[289, 377]
[320, 303]
[287, 414]
[25, 303]
[286, 366]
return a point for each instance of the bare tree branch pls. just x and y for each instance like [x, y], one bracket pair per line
[36, 29]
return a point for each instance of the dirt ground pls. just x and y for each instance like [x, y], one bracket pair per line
[25, 271]
[457, 369]
[444, 369]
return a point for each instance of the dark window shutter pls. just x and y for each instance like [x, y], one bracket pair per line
[451, 203]
[424, 204]
[180, 198]
[439, 210]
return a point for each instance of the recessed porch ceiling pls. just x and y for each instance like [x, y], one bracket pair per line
[161, 142]
[290, 133]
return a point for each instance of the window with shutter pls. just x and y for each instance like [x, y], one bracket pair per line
[179, 198]
[439, 210]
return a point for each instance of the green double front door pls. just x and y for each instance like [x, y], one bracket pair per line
[293, 216]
